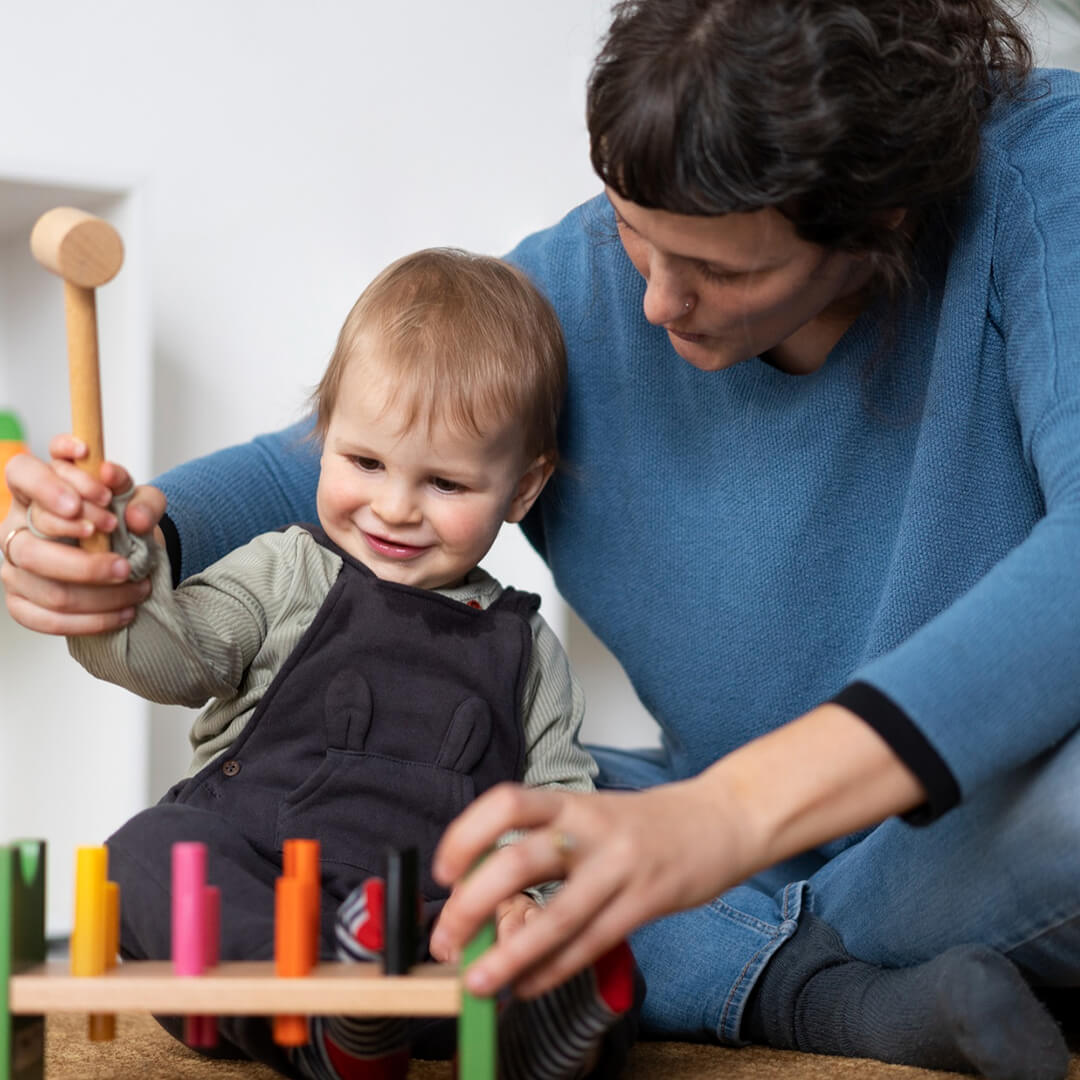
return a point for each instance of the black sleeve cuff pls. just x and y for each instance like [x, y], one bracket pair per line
[909, 744]
[172, 546]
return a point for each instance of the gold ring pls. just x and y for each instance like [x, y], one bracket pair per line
[565, 843]
[7, 543]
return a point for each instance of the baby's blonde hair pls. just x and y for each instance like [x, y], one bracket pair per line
[465, 338]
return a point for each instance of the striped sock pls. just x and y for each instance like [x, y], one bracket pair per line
[558, 1036]
[357, 1047]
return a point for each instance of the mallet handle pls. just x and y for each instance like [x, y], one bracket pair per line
[84, 382]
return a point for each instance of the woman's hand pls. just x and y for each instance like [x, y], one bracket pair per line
[626, 858]
[55, 588]
[629, 857]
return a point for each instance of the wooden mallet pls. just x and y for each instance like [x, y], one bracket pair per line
[86, 252]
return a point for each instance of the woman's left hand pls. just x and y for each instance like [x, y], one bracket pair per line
[626, 858]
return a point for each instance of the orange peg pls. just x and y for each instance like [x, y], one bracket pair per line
[301, 861]
[292, 953]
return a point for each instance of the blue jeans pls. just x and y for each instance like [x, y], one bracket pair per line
[1002, 869]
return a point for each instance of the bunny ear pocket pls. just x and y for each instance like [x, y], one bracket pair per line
[467, 736]
[348, 712]
[366, 795]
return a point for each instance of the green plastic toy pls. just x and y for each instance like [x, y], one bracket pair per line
[22, 945]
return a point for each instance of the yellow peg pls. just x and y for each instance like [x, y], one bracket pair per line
[91, 935]
[112, 923]
[88, 938]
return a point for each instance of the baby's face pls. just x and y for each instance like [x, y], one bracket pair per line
[415, 506]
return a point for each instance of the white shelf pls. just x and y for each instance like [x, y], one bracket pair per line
[73, 751]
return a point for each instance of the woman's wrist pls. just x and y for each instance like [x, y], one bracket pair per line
[821, 776]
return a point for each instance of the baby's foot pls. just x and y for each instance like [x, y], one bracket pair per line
[357, 1047]
[560, 1035]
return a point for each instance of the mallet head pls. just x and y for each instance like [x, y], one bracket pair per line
[82, 249]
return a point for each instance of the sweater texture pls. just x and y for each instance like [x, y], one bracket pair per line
[749, 544]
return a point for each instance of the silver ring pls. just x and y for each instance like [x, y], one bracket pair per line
[35, 531]
[7, 543]
[565, 843]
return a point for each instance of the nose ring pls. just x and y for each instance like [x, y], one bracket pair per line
[687, 305]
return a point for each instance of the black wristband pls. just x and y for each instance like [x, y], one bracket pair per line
[909, 744]
[172, 546]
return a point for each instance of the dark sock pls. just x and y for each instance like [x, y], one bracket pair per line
[1063, 1003]
[968, 1010]
[561, 1035]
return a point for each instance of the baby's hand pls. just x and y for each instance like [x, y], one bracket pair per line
[511, 915]
[96, 493]
[105, 498]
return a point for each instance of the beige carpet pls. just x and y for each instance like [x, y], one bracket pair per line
[142, 1050]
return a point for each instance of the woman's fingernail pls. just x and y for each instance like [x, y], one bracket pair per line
[144, 588]
[438, 941]
[127, 615]
[86, 527]
[67, 503]
[478, 980]
[120, 570]
[78, 446]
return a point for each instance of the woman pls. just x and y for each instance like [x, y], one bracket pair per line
[823, 503]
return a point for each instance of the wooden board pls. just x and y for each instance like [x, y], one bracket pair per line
[239, 989]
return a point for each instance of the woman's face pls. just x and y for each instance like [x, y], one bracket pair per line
[735, 286]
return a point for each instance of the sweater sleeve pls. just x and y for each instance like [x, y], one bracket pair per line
[196, 642]
[994, 680]
[552, 709]
[219, 502]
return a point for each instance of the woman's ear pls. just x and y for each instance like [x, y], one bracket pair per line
[529, 487]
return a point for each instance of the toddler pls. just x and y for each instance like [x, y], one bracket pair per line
[366, 678]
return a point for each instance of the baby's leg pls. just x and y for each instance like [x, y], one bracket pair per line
[586, 1024]
[585, 1027]
[140, 860]
[358, 1048]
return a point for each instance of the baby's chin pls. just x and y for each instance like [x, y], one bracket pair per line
[407, 572]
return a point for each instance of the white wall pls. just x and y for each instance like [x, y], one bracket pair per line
[280, 155]
[1055, 32]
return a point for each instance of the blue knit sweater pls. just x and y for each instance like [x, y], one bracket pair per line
[749, 543]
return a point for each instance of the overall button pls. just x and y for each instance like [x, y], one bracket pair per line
[231, 768]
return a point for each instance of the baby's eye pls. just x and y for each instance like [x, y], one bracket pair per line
[447, 487]
[366, 463]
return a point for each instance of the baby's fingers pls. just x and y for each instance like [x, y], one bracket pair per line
[49, 526]
[96, 499]
[67, 448]
[117, 477]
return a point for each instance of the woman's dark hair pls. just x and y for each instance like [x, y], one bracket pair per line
[834, 112]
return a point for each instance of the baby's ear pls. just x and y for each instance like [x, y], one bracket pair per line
[529, 487]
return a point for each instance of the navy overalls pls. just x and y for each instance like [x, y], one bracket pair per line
[397, 707]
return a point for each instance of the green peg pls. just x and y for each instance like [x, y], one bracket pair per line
[477, 1032]
[22, 945]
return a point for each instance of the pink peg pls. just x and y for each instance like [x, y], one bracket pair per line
[203, 1029]
[188, 908]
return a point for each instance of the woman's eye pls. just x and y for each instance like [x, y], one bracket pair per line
[447, 487]
[715, 275]
[366, 463]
